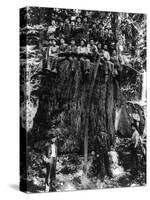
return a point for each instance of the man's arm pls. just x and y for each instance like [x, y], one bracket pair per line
[108, 56]
[50, 51]
[88, 48]
[96, 49]
[46, 156]
[137, 137]
[49, 31]
[78, 50]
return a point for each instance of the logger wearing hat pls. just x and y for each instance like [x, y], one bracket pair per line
[84, 60]
[50, 160]
[52, 53]
[51, 29]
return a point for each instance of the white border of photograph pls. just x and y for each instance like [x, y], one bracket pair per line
[9, 100]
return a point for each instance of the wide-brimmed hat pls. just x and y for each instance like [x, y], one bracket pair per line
[52, 38]
[84, 40]
[72, 39]
[51, 136]
[73, 18]
[53, 132]
[79, 17]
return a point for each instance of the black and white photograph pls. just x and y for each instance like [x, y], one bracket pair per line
[83, 99]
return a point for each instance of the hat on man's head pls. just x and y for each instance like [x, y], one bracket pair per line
[72, 39]
[50, 134]
[103, 131]
[52, 38]
[84, 40]
[133, 124]
[60, 19]
[79, 17]
[73, 18]
[62, 37]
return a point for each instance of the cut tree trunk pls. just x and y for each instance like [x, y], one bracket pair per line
[82, 105]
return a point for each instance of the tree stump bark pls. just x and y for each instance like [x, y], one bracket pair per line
[87, 104]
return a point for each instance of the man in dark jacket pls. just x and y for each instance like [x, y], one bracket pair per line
[94, 33]
[85, 28]
[67, 29]
[135, 141]
[50, 159]
[72, 50]
[60, 30]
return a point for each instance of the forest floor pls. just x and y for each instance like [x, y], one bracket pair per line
[70, 176]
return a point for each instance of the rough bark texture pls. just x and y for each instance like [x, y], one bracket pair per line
[83, 104]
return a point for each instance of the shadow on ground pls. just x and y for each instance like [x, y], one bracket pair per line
[14, 186]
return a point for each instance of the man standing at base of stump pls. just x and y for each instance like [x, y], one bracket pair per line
[51, 158]
[135, 140]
